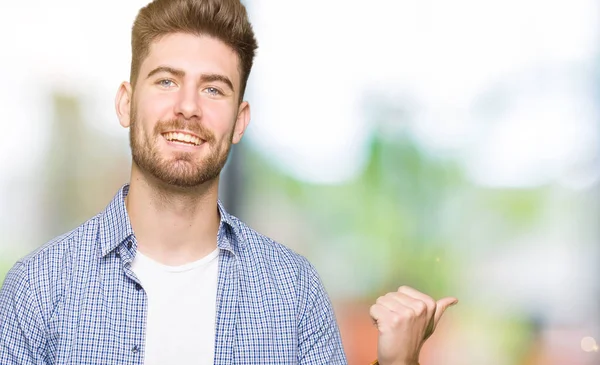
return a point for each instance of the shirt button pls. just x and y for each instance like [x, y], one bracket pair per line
[135, 349]
[138, 287]
[129, 245]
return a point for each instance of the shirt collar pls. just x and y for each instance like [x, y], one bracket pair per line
[229, 236]
[115, 226]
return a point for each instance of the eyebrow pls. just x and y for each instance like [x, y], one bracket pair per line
[204, 77]
[167, 69]
[217, 77]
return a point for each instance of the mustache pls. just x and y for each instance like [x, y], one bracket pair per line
[186, 125]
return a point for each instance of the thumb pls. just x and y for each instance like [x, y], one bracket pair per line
[441, 306]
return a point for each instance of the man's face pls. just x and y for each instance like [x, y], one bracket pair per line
[184, 112]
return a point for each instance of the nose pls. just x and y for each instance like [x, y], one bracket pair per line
[188, 103]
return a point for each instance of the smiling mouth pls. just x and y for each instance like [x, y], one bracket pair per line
[183, 138]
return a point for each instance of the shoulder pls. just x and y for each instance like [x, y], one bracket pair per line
[44, 272]
[272, 262]
[61, 248]
[263, 250]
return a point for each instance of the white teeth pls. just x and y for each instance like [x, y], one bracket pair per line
[181, 137]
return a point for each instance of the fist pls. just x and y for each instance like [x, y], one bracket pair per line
[405, 319]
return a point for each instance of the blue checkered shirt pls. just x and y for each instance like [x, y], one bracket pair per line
[76, 301]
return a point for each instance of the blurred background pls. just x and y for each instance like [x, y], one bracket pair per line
[453, 146]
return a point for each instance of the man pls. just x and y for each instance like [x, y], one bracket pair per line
[164, 275]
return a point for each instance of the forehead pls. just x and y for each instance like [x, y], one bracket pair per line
[195, 55]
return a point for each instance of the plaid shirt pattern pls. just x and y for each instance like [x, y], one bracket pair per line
[75, 300]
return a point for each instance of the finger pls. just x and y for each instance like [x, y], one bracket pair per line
[400, 302]
[429, 302]
[380, 314]
[441, 306]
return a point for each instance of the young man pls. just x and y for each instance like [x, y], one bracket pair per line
[164, 275]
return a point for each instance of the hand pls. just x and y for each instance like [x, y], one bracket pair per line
[405, 319]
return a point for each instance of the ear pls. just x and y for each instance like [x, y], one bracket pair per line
[243, 119]
[123, 104]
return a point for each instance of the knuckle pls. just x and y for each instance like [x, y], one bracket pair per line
[420, 308]
[430, 303]
[396, 319]
[405, 313]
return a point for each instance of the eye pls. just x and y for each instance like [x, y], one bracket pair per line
[166, 83]
[213, 91]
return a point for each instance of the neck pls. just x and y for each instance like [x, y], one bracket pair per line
[173, 225]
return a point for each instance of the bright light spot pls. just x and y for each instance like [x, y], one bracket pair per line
[310, 84]
[588, 344]
[544, 135]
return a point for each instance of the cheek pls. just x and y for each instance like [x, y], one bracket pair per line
[219, 117]
[153, 108]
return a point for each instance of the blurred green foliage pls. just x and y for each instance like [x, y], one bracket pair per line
[403, 220]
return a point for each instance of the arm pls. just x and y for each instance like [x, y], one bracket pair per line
[21, 337]
[319, 340]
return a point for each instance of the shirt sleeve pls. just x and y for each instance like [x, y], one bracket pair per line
[21, 337]
[319, 338]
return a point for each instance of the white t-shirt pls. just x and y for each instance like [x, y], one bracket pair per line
[180, 326]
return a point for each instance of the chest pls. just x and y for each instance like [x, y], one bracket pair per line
[237, 317]
[180, 316]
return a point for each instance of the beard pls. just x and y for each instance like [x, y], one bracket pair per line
[183, 170]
